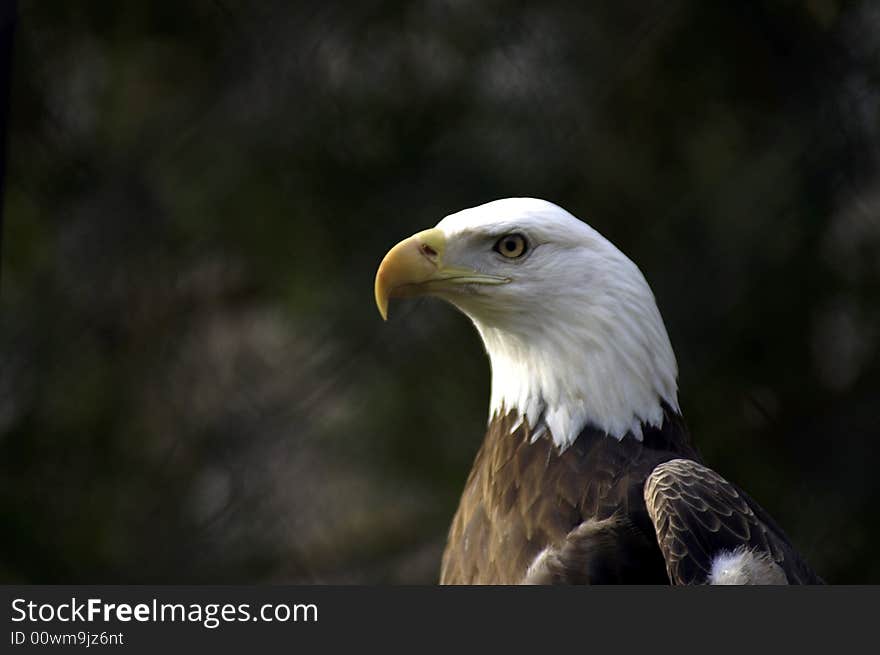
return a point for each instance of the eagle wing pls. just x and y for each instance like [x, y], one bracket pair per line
[702, 521]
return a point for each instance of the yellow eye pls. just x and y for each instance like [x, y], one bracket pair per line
[511, 245]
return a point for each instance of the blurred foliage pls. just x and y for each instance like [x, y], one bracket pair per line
[196, 386]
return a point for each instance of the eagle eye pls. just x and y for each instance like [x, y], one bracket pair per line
[511, 246]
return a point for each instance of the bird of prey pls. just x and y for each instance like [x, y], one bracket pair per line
[587, 474]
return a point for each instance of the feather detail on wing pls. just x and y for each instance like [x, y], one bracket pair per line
[700, 519]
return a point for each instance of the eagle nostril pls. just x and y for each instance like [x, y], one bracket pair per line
[428, 251]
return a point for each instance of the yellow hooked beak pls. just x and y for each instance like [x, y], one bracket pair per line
[415, 267]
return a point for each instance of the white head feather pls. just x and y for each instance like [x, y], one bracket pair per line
[575, 338]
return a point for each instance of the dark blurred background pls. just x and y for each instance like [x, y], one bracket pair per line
[195, 383]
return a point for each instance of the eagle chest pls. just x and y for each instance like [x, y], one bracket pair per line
[520, 498]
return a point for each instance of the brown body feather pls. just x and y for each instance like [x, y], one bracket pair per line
[581, 513]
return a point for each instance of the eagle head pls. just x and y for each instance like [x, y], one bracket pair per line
[569, 322]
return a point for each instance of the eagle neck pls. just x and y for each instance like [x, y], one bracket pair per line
[563, 380]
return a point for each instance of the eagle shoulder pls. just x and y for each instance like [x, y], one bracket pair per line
[710, 531]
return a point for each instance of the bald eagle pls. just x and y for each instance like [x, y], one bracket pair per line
[586, 474]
